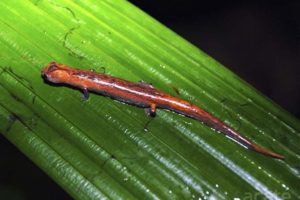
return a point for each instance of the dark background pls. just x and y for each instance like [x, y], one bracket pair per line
[258, 40]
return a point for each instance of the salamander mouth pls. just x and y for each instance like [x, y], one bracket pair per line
[45, 76]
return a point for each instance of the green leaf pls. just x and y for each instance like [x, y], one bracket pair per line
[98, 148]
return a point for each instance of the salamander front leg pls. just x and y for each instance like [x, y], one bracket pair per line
[146, 84]
[151, 111]
[85, 94]
[94, 71]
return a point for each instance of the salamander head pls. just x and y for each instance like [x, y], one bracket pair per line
[56, 73]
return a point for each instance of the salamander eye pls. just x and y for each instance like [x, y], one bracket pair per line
[52, 67]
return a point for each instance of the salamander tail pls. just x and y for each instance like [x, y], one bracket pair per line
[265, 151]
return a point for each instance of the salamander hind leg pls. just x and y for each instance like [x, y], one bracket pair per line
[151, 111]
[85, 94]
